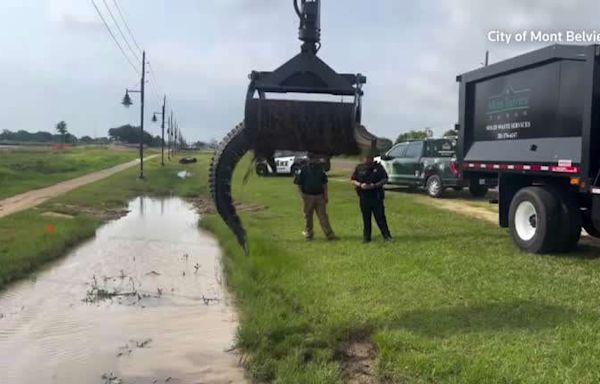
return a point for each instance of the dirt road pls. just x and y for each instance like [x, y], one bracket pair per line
[460, 206]
[36, 197]
[464, 208]
[343, 165]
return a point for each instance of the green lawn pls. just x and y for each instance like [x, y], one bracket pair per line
[450, 301]
[26, 244]
[24, 170]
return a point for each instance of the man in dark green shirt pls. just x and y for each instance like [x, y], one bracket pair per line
[312, 182]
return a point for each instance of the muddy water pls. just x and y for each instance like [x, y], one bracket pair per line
[143, 302]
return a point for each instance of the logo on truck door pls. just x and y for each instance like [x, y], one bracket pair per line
[509, 100]
[508, 112]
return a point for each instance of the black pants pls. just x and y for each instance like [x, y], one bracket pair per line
[373, 205]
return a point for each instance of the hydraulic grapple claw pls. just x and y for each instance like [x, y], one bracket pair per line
[323, 127]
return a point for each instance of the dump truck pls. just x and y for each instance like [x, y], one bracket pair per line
[533, 123]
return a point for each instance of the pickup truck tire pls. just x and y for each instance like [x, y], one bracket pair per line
[476, 189]
[588, 224]
[434, 186]
[262, 170]
[534, 219]
[570, 221]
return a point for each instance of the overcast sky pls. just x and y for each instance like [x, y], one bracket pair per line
[57, 61]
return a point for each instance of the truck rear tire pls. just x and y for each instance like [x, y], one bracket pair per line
[588, 224]
[476, 189]
[534, 219]
[434, 186]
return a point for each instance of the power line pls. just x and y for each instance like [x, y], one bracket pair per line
[126, 25]
[156, 86]
[114, 37]
[156, 89]
[121, 31]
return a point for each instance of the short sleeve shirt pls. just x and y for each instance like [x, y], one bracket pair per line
[312, 179]
[370, 174]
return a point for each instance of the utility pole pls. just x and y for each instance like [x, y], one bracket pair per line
[174, 144]
[170, 133]
[176, 136]
[169, 138]
[162, 126]
[127, 103]
[143, 87]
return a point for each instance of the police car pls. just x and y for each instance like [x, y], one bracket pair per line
[286, 163]
[283, 163]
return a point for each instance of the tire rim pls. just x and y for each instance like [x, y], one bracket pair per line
[526, 220]
[434, 187]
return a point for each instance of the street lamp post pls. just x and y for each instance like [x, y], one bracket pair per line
[162, 126]
[169, 138]
[176, 136]
[171, 126]
[127, 103]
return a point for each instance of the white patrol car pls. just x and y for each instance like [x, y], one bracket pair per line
[283, 163]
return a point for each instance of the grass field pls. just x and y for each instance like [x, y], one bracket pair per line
[26, 244]
[449, 301]
[24, 170]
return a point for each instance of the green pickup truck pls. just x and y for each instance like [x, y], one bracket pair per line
[429, 163]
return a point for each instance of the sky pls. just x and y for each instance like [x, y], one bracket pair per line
[58, 62]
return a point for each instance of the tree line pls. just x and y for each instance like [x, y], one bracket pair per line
[418, 134]
[129, 134]
[422, 134]
[125, 134]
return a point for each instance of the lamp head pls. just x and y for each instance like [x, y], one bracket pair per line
[126, 100]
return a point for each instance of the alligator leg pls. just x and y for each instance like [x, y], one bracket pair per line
[228, 154]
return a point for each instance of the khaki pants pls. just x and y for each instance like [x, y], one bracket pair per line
[316, 203]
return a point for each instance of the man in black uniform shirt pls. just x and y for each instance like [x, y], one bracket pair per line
[369, 178]
[312, 181]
